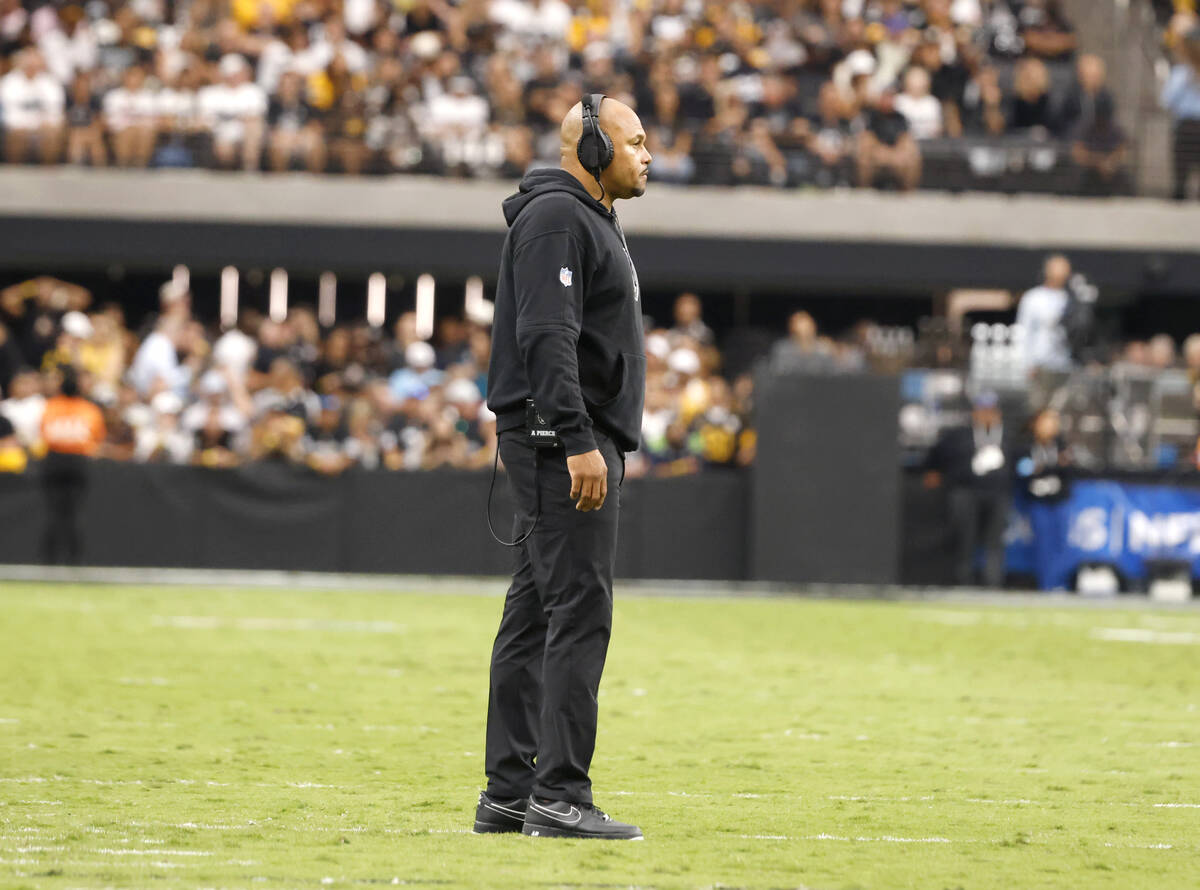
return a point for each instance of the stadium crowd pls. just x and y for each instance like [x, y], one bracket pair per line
[183, 393]
[771, 92]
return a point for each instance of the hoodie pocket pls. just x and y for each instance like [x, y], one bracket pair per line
[623, 411]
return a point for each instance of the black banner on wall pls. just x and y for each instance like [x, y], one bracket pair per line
[826, 479]
[270, 516]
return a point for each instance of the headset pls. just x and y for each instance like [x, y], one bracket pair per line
[595, 150]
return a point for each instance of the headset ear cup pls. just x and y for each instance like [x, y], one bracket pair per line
[606, 151]
[595, 149]
[587, 151]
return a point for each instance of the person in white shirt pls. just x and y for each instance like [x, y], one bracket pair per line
[175, 104]
[25, 406]
[921, 109]
[533, 20]
[71, 47]
[332, 43]
[156, 366]
[131, 117]
[233, 111]
[1040, 316]
[31, 103]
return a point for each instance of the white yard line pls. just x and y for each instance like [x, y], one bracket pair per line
[215, 622]
[112, 851]
[883, 839]
[1142, 635]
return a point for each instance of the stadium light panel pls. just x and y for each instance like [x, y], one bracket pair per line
[279, 292]
[425, 298]
[327, 300]
[376, 300]
[475, 307]
[229, 297]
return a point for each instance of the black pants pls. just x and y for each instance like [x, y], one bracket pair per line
[979, 517]
[1186, 154]
[553, 638]
[64, 482]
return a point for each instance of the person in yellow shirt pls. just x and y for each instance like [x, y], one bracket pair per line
[255, 14]
[12, 456]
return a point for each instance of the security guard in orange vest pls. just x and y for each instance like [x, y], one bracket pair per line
[73, 431]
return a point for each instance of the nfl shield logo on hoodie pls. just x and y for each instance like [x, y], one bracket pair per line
[564, 275]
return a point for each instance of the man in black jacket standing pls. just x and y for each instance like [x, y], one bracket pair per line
[975, 465]
[567, 384]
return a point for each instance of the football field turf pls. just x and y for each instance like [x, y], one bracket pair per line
[217, 737]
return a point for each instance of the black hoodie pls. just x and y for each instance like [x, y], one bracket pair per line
[568, 323]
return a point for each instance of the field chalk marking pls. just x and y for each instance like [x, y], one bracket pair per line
[1142, 635]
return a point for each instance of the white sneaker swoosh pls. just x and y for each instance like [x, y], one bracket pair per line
[515, 814]
[574, 817]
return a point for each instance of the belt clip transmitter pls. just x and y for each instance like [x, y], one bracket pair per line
[541, 434]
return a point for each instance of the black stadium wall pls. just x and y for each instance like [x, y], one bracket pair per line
[759, 265]
[755, 241]
[273, 516]
[821, 504]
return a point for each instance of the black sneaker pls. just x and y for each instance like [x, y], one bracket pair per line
[494, 816]
[557, 818]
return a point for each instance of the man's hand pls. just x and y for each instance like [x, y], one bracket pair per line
[589, 480]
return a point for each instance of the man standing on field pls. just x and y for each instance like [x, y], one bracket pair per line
[567, 384]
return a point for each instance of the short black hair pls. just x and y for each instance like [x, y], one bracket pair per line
[70, 381]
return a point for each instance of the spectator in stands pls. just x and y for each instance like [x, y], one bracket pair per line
[73, 431]
[973, 465]
[1040, 315]
[295, 126]
[919, 107]
[1087, 93]
[71, 48]
[1100, 150]
[1032, 109]
[10, 359]
[286, 393]
[689, 322]
[983, 105]
[415, 380]
[85, 130]
[1045, 30]
[13, 458]
[161, 438]
[1160, 352]
[233, 111]
[31, 102]
[156, 366]
[829, 139]
[886, 147]
[131, 119]
[667, 138]
[217, 418]
[465, 88]
[25, 406]
[802, 351]
[1181, 96]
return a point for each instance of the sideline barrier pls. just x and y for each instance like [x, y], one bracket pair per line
[272, 516]
[1122, 524]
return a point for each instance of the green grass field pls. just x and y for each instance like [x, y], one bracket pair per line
[189, 737]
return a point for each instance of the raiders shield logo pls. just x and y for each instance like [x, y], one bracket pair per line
[564, 275]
